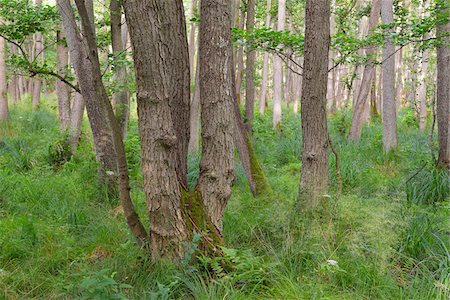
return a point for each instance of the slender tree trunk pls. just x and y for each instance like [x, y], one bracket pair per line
[39, 53]
[240, 60]
[367, 77]
[399, 78]
[265, 71]
[215, 53]
[62, 90]
[278, 70]
[422, 93]
[192, 42]
[314, 179]
[388, 69]
[120, 98]
[4, 113]
[250, 70]
[76, 120]
[443, 91]
[195, 116]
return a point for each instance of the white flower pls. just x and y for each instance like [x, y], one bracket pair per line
[110, 173]
[332, 262]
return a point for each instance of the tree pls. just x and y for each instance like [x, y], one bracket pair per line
[38, 54]
[314, 179]
[389, 110]
[265, 71]
[422, 92]
[442, 85]
[278, 69]
[250, 70]
[4, 114]
[62, 90]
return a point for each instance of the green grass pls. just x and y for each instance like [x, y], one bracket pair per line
[389, 232]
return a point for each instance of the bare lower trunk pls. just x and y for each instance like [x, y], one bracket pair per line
[38, 54]
[360, 105]
[62, 90]
[314, 179]
[192, 42]
[4, 113]
[250, 70]
[76, 120]
[278, 70]
[195, 116]
[120, 98]
[422, 93]
[240, 60]
[265, 71]
[388, 68]
[443, 93]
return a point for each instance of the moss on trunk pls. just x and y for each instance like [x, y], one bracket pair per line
[261, 183]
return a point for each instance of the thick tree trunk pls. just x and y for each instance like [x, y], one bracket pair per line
[278, 70]
[389, 112]
[120, 98]
[250, 71]
[314, 179]
[443, 91]
[158, 36]
[265, 71]
[360, 105]
[4, 113]
[38, 54]
[216, 96]
[62, 90]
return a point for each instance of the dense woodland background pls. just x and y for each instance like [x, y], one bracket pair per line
[225, 149]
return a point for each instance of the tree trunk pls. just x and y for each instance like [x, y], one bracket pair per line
[240, 60]
[158, 36]
[194, 138]
[250, 70]
[192, 42]
[389, 112]
[314, 179]
[120, 98]
[265, 71]
[366, 82]
[62, 90]
[443, 91]
[76, 120]
[4, 113]
[38, 54]
[422, 93]
[278, 70]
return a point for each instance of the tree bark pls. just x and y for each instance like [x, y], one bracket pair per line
[389, 111]
[62, 90]
[216, 96]
[76, 120]
[192, 42]
[158, 35]
[422, 93]
[368, 75]
[4, 112]
[314, 179]
[240, 59]
[121, 98]
[278, 70]
[38, 54]
[194, 138]
[265, 71]
[443, 90]
[250, 70]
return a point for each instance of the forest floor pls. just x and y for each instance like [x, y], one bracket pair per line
[387, 235]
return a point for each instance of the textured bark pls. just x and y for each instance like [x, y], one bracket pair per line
[38, 54]
[91, 91]
[360, 104]
[250, 70]
[194, 138]
[4, 113]
[240, 60]
[265, 71]
[389, 111]
[443, 91]
[216, 96]
[121, 98]
[62, 90]
[314, 179]
[158, 36]
[278, 70]
[76, 120]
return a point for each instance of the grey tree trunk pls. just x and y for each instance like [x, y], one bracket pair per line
[194, 138]
[443, 91]
[38, 54]
[265, 71]
[76, 120]
[192, 42]
[389, 111]
[62, 90]
[278, 70]
[4, 112]
[422, 93]
[314, 179]
[240, 59]
[250, 70]
[360, 106]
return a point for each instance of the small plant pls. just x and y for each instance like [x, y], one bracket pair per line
[102, 285]
[59, 152]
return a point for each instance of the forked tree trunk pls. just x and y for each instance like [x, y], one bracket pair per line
[265, 71]
[250, 70]
[278, 70]
[4, 113]
[120, 98]
[388, 69]
[443, 91]
[360, 105]
[62, 90]
[314, 179]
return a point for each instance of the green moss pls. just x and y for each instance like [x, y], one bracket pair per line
[261, 182]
